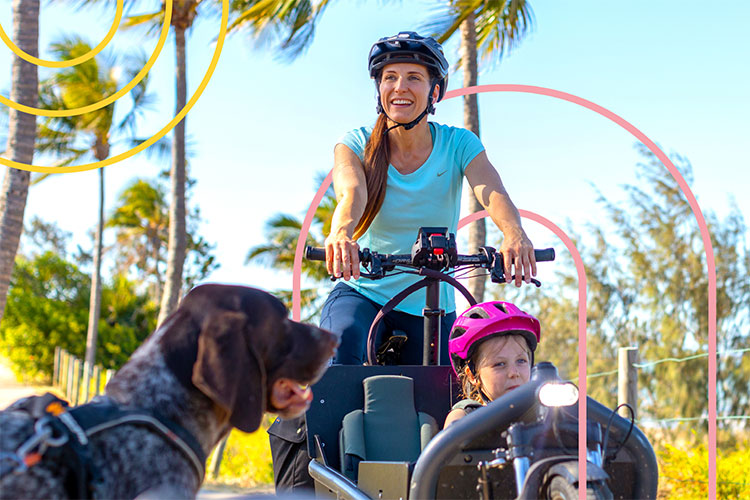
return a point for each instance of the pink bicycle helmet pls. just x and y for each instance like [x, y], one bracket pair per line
[485, 320]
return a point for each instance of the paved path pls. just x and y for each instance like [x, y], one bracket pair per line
[11, 389]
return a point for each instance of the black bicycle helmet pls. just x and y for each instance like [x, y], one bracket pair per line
[411, 47]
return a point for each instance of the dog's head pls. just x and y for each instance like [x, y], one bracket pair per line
[237, 346]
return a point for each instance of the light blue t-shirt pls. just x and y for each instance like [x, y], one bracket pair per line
[429, 196]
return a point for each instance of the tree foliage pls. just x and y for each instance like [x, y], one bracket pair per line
[288, 24]
[499, 26]
[282, 233]
[48, 306]
[141, 223]
[647, 278]
[48, 298]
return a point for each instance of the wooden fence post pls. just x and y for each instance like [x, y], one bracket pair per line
[77, 382]
[108, 376]
[86, 381]
[56, 366]
[69, 381]
[68, 362]
[627, 380]
[97, 375]
[63, 371]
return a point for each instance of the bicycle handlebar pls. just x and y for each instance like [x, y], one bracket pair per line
[318, 253]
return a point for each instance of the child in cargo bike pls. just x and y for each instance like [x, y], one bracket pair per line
[491, 348]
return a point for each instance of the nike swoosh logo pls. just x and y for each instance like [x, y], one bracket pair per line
[441, 173]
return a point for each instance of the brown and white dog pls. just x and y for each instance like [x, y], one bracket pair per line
[227, 355]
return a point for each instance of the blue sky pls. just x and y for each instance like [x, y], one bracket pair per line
[674, 69]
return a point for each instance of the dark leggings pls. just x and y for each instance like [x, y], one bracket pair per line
[348, 314]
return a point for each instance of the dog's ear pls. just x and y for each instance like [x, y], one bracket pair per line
[229, 371]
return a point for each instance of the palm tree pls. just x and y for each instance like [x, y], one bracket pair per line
[184, 13]
[21, 133]
[90, 134]
[493, 28]
[282, 233]
[294, 19]
[141, 219]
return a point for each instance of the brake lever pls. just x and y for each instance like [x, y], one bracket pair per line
[532, 280]
[501, 279]
[536, 282]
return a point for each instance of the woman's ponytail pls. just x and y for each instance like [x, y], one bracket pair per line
[376, 173]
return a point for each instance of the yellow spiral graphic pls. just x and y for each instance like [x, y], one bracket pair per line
[72, 62]
[109, 100]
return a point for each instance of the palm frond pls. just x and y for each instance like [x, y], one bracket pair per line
[282, 233]
[50, 140]
[310, 302]
[290, 24]
[150, 23]
[283, 221]
[499, 24]
[446, 18]
[82, 85]
[62, 163]
[160, 150]
[141, 100]
[36, 179]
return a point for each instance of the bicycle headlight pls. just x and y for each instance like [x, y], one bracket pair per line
[555, 394]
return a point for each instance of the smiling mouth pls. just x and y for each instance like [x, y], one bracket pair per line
[401, 102]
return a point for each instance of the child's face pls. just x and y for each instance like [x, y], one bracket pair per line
[503, 364]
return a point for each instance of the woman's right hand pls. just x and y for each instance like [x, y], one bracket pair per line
[342, 256]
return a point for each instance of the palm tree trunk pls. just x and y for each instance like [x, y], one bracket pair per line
[21, 136]
[177, 231]
[96, 289]
[477, 230]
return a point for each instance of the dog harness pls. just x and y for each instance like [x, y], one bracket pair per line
[63, 434]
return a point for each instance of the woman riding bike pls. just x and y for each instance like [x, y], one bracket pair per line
[492, 351]
[390, 179]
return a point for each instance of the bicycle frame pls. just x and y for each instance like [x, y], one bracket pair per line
[432, 313]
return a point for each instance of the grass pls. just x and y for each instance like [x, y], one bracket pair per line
[246, 462]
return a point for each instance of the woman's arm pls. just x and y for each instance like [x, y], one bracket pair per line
[517, 249]
[350, 185]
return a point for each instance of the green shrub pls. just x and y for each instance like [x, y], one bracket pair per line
[683, 473]
[247, 459]
[47, 306]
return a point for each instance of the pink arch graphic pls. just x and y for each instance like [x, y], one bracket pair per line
[705, 235]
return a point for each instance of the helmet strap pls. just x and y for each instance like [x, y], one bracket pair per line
[430, 109]
[486, 399]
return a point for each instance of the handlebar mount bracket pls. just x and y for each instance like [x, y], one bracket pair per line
[435, 249]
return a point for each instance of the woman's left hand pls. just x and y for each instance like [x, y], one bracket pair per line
[518, 256]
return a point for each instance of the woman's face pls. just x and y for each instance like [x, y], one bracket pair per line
[503, 364]
[404, 88]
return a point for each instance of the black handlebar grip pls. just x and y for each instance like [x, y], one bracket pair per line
[315, 253]
[545, 254]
